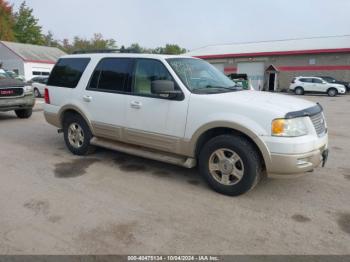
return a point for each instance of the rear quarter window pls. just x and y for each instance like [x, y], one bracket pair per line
[67, 72]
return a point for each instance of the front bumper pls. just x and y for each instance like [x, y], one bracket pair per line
[285, 165]
[14, 103]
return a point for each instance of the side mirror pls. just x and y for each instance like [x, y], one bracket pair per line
[164, 88]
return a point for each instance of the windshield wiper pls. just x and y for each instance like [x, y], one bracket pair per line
[217, 88]
[224, 87]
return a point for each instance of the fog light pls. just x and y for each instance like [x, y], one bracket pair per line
[303, 162]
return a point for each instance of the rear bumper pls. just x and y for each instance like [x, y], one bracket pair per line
[24, 102]
[52, 118]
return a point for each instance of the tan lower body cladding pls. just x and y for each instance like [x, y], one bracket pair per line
[160, 142]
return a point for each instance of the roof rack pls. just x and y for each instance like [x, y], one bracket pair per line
[93, 51]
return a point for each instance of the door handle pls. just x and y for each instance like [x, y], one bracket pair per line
[136, 104]
[87, 98]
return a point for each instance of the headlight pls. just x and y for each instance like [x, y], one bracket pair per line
[28, 89]
[289, 127]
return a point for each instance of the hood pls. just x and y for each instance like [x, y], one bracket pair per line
[9, 82]
[265, 101]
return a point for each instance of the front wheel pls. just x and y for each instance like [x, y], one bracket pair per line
[77, 134]
[332, 92]
[24, 113]
[230, 164]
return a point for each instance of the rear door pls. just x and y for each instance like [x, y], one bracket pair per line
[106, 95]
[307, 84]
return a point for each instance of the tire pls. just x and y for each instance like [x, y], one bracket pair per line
[36, 93]
[332, 92]
[247, 166]
[78, 141]
[299, 91]
[24, 113]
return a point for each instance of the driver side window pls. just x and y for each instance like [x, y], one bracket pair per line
[146, 71]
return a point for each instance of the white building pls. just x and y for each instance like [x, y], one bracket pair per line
[28, 60]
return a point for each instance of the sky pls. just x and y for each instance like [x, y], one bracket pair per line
[192, 23]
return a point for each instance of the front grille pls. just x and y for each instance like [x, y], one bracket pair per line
[11, 92]
[319, 123]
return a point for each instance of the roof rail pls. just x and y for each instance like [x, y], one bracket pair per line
[93, 51]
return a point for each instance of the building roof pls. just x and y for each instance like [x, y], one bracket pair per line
[34, 53]
[332, 44]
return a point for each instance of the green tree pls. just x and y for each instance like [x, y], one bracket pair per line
[135, 48]
[49, 40]
[6, 21]
[97, 42]
[173, 49]
[26, 26]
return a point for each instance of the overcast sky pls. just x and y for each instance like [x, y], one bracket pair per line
[192, 23]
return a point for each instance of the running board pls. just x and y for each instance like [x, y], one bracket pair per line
[144, 152]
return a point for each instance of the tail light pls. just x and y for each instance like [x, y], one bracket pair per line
[293, 81]
[47, 96]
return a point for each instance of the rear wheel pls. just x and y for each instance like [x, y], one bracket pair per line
[77, 134]
[24, 113]
[332, 92]
[36, 93]
[230, 164]
[299, 90]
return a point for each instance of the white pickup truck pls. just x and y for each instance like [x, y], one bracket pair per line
[183, 111]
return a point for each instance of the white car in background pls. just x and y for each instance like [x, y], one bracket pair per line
[39, 84]
[306, 84]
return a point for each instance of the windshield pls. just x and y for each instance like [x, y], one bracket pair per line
[328, 79]
[201, 77]
[3, 74]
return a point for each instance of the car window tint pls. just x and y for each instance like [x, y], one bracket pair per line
[67, 72]
[318, 81]
[146, 71]
[306, 80]
[113, 74]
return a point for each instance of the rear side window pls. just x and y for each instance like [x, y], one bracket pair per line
[306, 80]
[67, 72]
[113, 75]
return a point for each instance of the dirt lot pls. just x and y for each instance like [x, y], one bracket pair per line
[52, 202]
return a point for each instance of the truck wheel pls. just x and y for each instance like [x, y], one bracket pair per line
[230, 164]
[299, 90]
[332, 92]
[77, 134]
[24, 113]
[36, 93]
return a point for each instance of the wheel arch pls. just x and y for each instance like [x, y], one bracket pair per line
[332, 87]
[211, 130]
[71, 109]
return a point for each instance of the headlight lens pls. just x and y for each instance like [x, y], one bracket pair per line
[28, 89]
[289, 127]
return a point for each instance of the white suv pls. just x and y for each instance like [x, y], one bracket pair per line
[183, 111]
[303, 84]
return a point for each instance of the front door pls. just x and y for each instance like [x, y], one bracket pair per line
[153, 120]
